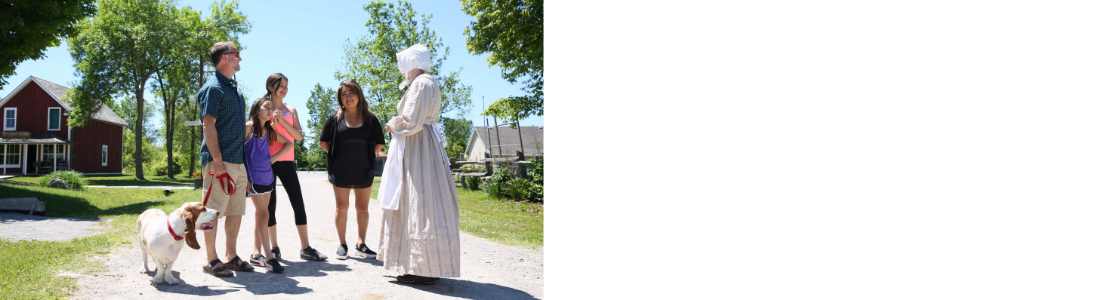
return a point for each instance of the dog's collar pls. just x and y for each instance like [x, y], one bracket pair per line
[172, 231]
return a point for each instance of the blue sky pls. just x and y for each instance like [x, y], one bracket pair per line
[304, 41]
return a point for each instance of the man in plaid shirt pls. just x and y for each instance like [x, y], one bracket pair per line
[222, 153]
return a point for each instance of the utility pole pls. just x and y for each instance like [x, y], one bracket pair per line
[522, 156]
[497, 129]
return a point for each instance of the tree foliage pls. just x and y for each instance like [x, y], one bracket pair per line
[511, 32]
[456, 131]
[321, 103]
[130, 41]
[372, 60]
[127, 110]
[28, 27]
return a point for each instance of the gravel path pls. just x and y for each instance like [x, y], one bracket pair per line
[489, 270]
[18, 226]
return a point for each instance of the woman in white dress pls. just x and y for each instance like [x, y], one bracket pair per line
[420, 205]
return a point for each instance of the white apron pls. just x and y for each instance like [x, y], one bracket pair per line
[390, 191]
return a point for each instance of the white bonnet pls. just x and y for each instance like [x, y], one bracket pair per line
[416, 57]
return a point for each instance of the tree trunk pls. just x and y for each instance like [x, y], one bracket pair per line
[138, 132]
[171, 129]
[194, 110]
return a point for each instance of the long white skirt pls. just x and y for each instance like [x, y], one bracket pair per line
[421, 236]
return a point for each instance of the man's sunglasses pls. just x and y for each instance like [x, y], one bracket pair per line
[238, 54]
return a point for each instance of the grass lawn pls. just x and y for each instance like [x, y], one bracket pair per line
[31, 268]
[123, 180]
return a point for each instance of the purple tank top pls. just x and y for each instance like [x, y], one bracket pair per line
[257, 161]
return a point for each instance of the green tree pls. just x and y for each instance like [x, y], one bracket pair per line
[126, 108]
[372, 60]
[130, 41]
[511, 32]
[321, 103]
[457, 133]
[30, 26]
[174, 83]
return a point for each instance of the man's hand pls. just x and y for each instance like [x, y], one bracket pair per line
[219, 168]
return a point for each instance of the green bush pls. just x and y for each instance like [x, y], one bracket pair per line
[161, 168]
[497, 185]
[505, 185]
[74, 179]
[536, 171]
[473, 168]
[472, 182]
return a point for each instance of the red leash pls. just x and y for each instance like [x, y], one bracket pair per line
[221, 181]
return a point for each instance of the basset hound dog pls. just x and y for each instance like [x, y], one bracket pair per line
[162, 236]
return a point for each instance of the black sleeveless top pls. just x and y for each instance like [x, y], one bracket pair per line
[351, 151]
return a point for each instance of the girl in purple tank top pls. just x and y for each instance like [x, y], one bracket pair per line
[261, 179]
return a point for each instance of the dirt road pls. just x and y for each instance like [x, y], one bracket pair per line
[489, 270]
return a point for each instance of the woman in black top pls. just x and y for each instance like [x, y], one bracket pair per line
[352, 136]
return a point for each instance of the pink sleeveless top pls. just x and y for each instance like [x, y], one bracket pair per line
[275, 147]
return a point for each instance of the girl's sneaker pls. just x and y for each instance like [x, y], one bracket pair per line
[276, 253]
[273, 266]
[257, 260]
[312, 254]
[342, 252]
[361, 250]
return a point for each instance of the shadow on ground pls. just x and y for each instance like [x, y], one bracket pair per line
[256, 283]
[469, 289]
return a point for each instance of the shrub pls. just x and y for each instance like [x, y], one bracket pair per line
[161, 168]
[74, 179]
[472, 182]
[505, 185]
[473, 168]
[497, 185]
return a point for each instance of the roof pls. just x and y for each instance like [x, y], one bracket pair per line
[509, 139]
[36, 139]
[57, 91]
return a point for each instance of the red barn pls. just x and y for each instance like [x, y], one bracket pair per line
[37, 139]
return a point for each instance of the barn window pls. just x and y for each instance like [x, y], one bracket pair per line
[104, 155]
[55, 119]
[9, 118]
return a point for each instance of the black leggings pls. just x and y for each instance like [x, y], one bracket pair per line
[288, 175]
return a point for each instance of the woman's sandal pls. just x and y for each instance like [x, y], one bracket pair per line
[220, 271]
[273, 266]
[236, 264]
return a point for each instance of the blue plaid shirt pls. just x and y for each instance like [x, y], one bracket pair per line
[220, 99]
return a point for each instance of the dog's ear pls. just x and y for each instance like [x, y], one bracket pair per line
[189, 216]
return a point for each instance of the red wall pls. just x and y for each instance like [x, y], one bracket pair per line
[33, 105]
[33, 114]
[88, 146]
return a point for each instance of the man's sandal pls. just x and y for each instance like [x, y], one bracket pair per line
[219, 271]
[236, 264]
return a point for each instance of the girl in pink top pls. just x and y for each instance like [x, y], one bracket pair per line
[286, 124]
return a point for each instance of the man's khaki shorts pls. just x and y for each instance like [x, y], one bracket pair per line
[228, 205]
